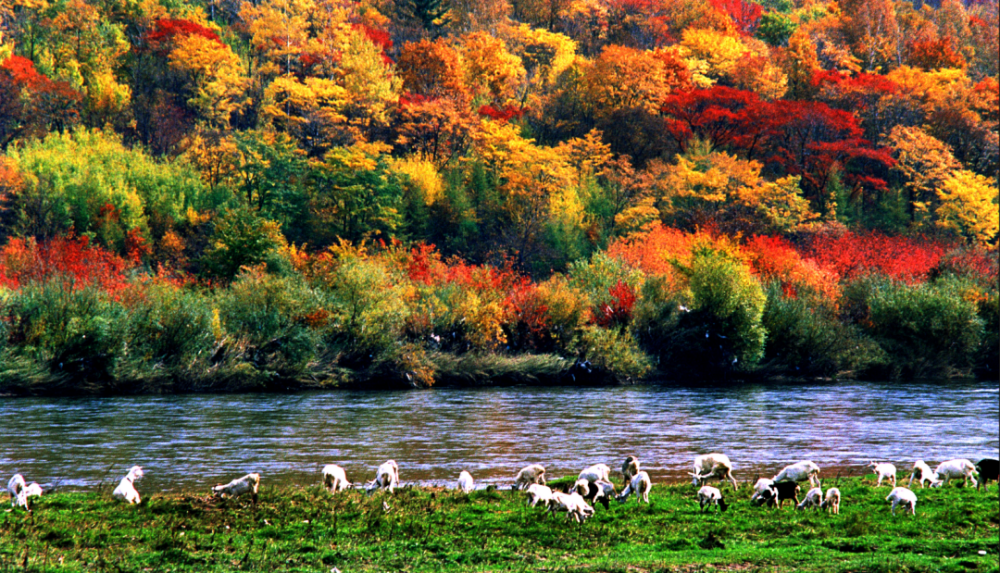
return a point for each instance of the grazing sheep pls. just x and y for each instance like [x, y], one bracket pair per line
[988, 469]
[595, 473]
[16, 487]
[776, 495]
[335, 478]
[814, 498]
[923, 472]
[603, 491]
[630, 467]
[386, 477]
[573, 504]
[712, 466]
[709, 495]
[465, 482]
[904, 497]
[832, 501]
[762, 485]
[534, 473]
[249, 483]
[126, 488]
[884, 470]
[640, 486]
[33, 489]
[954, 469]
[539, 493]
[799, 472]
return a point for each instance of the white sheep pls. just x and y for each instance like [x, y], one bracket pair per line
[923, 472]
[335, 478]
[126, 488]
[386, 477]
[539, 493]
[814, 498]
[762, 485]
[573, 504]
[630, 467]
[465, 482]
[16, 487]
[955, 469]
[884, 470]
[604, 493]
[709, 495]
[712, 466]
[249, 483]
[832, 501]
[904, 497]
[799, 472]
[596, 472]
[640, 486]
[534, 473]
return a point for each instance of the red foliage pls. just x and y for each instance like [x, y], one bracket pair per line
[380, 38]
[935, 54]
[527, 316]
[161, 37]
[718, 114]
[33, 104]
[619, 310]
[25, 261]
[854, 254]
[406, 99]
[504, 113]
[775, 259]
[136, 247]
[746, 15]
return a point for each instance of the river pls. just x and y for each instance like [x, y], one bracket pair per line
[186, 443]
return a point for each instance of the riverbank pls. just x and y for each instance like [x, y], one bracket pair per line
[417, 529]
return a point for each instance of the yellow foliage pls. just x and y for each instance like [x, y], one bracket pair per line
[722, 52]
[969, 205]
[215, 71]
[489, 68]
[545, 54]
[423, 174]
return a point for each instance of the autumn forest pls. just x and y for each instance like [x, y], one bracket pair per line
[217, 195]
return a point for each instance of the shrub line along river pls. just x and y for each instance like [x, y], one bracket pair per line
[186, 443]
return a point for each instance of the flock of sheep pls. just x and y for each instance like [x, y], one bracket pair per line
[594, 484]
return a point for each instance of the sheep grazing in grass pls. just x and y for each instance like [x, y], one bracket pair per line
[813, 498]
[799, 472]
[573, 504]
[832, 501]
[715, 466]
[640, 486]
[884, 471]
[954, 469]
[595, 473]
[630, 467]
[17, 488]
[988, 469]
[709, 495]
[465, 482]
[602, 491]
[126, 488]
[534, 473]
[538, 493]
[922, 472]
[335, 478]
[778, 493]
[386, 477]
[904, 497]
[249, 483]
[762, 485]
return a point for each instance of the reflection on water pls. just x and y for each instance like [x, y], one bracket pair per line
[186, 443]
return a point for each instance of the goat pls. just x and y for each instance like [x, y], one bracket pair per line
[712, 466]
[813, 498]
[630, 467]
[465, 482]
[126, 488]
[954, 469]
[709, 495]
[762, 485]
[335, 478]
[884, 470]
[777, 493]
[573, 504]
[386, 477]
[534, 473]
[798, 472]
[640, 486]
[539, 493]
[603, 491]
[904, 497]
[924, 471]
[832, 501]
[16, 487]
[33, 489]
[988, 469]
[249, 483]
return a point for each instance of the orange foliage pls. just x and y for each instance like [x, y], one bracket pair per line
[24, 261]
[775, 259]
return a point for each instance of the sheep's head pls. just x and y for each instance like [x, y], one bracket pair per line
[723, 506]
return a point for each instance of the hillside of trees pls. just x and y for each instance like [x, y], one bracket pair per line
[207, 195]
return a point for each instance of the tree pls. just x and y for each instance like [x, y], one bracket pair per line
[969, 206]
[491, 72]
[926, 163]
[241, 238]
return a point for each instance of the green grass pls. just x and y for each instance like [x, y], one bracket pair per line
[307, 529]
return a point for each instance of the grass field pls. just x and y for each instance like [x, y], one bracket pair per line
[416, 529]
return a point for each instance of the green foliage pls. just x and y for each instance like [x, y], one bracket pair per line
[170, 326]
[596, 276]
[988, 356]
[614, 352]
[241, 238]
[272, 177]
[776, 28]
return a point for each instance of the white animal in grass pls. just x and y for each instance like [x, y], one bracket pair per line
[884, 471]
[335, 478]
[814, 498]
[249, 483]
[713, 465]
[465, 482]
[904, 497]
[955, 469]
[709, 495]
[534, 473]
[16, 487]
[799, 472]
[922, 472]
[831, 501]
[640, 486]
[126, 488]
[386, 477]
[538, 493]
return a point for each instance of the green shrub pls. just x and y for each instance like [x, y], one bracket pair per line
[170, 327]
[614, 351]
[988, 356]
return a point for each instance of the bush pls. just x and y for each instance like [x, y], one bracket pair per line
[170, 327]
[614, 352]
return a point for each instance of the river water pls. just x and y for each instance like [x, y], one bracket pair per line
[186, 443]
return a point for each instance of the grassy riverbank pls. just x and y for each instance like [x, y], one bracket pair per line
[306, 529]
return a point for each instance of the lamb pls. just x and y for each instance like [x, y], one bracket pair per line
[832, 501]
[18, 494]
[798, 472]
[712, 466]
[630, 467]
[33, 489]
[762, 485]
[954, 469]
[709, 495]
[573, 504]
[924, 472]
[465, 482]
[335, 478]
[988, 469]
[249, 483]
[603, 492]
[884, 470]
[386, 477]
[126, 488]
[534, 473]
[776, 495]
[539, 493]
[904, 497]
[596, 472]
[814, 498]
[640, 486]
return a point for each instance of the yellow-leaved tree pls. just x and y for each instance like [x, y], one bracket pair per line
[969, 206]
